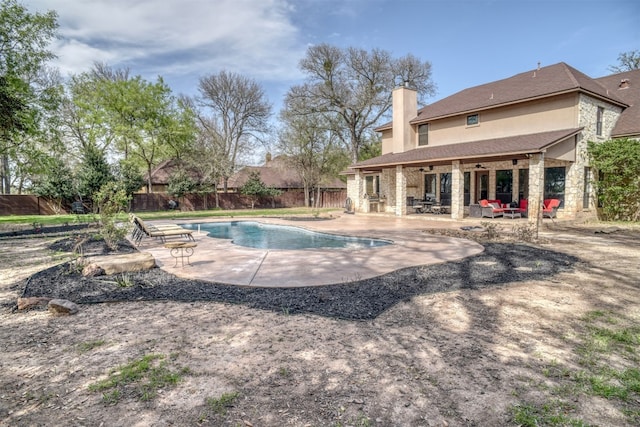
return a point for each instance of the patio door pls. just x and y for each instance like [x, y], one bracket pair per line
[482, 185]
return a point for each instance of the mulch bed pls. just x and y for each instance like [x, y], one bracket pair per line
[500, 264]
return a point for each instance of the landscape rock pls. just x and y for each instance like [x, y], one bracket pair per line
[92, 270]
[63, 306]
[30, 302]
[114, 264]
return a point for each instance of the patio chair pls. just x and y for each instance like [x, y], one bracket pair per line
[161, 231]
[491, 209]
[550, 208]
[77, 208]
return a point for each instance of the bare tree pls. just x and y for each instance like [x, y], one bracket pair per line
[239, 115]
[352, 88]
[311, 149]
[627, 61]
[207, 146]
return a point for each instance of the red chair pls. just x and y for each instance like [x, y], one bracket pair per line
[524, 207]
[550, 208]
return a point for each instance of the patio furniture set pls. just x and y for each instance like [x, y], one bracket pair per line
[495, 208]
[428, 205]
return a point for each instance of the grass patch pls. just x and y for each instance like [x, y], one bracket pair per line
[608, 353]
[65, 219]
[548, 414]
[142, 378]
[85, 347]
[218, 406]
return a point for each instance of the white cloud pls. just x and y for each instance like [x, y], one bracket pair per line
[178, 37]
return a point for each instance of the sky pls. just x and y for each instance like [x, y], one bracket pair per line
[467, 42]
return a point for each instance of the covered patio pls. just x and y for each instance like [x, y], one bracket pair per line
[457, 176]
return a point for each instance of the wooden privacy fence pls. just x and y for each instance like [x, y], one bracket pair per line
[26, 204]
[289, 199]
[20, 204]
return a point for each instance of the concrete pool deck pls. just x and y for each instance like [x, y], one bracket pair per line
[221, 261]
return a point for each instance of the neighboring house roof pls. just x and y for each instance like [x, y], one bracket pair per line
[276, 173]
[512, 145]
[626, 86]
[530, 85]
[161, 174]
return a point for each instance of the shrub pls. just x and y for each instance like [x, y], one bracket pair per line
[111, 200]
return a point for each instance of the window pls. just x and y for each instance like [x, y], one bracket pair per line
[473, 119]
[504, 185]
[467, 188]
[445, 189]
[599, 118]
[586, 194]
[523, 184]
[430, 185]
[372, 185]
[423, 134]
[554, 183]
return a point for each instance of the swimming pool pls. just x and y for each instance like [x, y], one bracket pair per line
[268, 236]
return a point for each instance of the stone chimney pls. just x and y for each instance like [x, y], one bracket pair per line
[405, 108]
[267, 159]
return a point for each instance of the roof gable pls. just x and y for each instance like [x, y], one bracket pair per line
[626, 86]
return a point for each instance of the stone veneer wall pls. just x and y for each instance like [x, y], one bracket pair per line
[575, 177]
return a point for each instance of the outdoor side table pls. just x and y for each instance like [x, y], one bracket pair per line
[512, 213]
[181, 250]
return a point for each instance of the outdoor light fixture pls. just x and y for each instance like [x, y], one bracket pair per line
[478, 166]
[421, 169]
[514, 161]
[430, 167]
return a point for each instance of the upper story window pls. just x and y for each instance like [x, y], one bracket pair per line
[473, 120]
[599, 119]
[423, 134]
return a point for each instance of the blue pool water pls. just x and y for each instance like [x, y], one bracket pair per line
[268, 236]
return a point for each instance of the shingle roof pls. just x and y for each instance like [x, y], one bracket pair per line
[543, 82]
[513, 145]
[161, 174]
[626, 86]
[276, 173]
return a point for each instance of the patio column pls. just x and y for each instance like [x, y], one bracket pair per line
[401, 191]
[457, 190]
[515, 190]
[536, 187]
[359, 185]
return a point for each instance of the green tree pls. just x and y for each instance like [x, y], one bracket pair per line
[352, 88]
[627, 61]
[55, 183]
[371, 147]
[129, 176]
[24, 40]
[94, 172]
[84, 113]
[181, 184]
[254, 188]
[617, 163]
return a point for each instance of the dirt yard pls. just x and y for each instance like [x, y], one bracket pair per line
[514, 349]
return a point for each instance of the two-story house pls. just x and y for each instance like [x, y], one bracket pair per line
[524, 137]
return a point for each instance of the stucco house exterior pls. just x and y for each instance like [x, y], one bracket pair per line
[523, 137]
